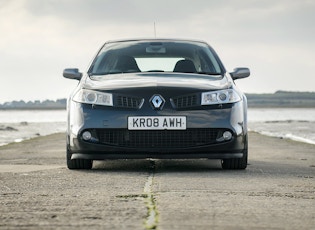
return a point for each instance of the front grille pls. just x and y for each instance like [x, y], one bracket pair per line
[185, 101]
[158, 138]
[128, 102]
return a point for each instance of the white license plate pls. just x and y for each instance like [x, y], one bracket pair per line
[157, 123]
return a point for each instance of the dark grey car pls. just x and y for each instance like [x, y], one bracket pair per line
[157, 98]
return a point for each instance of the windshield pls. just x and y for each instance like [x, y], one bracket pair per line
[155, 56]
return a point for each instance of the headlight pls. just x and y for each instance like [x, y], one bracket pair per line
[93, 97]
[220, 97]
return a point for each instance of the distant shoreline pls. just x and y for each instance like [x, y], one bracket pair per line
[250, 106]
[39, 108]
[257, 106]
[282, 99]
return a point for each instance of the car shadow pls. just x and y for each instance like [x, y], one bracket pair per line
[255, 168]
[157, 166]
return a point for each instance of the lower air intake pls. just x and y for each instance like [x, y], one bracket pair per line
[158, 138]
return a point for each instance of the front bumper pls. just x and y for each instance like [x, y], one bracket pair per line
[96, 120]
[92, 151]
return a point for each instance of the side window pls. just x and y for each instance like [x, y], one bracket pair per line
[98, 63]
[104, 63]
[208, 63]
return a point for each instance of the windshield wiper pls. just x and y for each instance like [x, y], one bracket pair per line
[112, 72]
[159, 71]
[209, 73]
[104, 73]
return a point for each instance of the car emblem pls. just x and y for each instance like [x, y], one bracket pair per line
[157, 101]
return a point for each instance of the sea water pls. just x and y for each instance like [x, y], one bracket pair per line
[292, 123]
[19, 125]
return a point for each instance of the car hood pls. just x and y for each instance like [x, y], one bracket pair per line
[156, 80]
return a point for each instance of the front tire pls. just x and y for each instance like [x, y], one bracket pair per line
[237, 163]
[78, 163]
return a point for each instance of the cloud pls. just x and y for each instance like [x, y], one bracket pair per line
[239, 21]
[275, 38]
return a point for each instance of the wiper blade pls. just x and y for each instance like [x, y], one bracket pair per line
[103, 73]
[160, 71]
[209, 73]
[113, 72]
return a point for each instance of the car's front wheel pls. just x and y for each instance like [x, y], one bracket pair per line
[236, 163]
[78, 163]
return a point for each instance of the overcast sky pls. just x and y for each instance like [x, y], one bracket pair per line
[39, 38]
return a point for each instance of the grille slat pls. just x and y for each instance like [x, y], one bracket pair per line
[185, 101]
[158, 138]
[128, 102]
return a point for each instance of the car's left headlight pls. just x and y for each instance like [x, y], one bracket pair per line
[93, 97]
[219, 97]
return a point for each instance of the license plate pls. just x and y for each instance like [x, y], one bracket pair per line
[157, 123]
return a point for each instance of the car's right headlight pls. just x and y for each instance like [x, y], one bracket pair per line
[220, 97]
[93, 97]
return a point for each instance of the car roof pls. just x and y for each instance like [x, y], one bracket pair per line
[156, 40]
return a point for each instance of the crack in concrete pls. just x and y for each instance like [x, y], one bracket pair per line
[151, 220]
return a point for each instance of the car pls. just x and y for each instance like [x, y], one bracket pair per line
[156, 99]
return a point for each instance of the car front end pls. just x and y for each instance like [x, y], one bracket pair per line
[157, 114]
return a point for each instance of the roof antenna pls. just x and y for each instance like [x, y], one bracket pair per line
[154, 31]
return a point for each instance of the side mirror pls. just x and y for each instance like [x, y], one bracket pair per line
[72, 74]
[239, 73]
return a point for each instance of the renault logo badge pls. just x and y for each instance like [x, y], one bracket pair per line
[157, 101]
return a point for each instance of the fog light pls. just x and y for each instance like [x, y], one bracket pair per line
[227, 135]
[86, 136]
